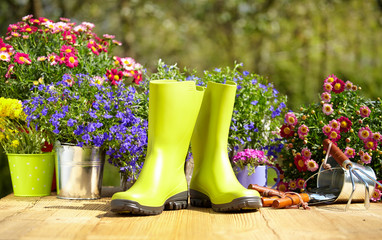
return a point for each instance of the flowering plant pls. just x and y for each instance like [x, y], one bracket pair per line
[258, 109]
[349, 120]
[251, 158]
[15, 135]
[41, 51]
[83, 110]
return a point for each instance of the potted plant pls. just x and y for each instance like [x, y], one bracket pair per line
[89, 117]
[349, 120]
[251, 167]
[40, 50]
[31, 166]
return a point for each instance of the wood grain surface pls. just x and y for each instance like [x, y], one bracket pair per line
[53, 218]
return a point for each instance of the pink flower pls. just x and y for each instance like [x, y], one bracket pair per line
[364, 111]
[53, 59]
[377, 136]
[311, 165]
[299, 162]
[349, 152]
[348, 85]
[300, 182]
[377, 194]
[371, 143]
[334, 135]
[364, 133]
[335, 124]
[366, 158]
[290, 119]
[10, 71]
[68, 49]
[4, 56]
[327, 130]
[303, 131]
[345, 124]
[282, 186]
[330, 79]
[338, 86]
[328, 87]
[292, 184]
[306, 154]
[327, 108]
[114, 76]
[108, 36]
[325, 96]
[71, 60]
[22, 58]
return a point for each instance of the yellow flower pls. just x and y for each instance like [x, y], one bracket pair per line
[15, 143]
[2, 136]
[11, 108]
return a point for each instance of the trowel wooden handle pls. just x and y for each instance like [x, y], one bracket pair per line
[290, 200]
[264, 191]
[337, 154]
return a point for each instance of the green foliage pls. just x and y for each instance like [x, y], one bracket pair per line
[258, 105]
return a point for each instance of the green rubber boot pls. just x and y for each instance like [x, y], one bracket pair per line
[173, 110]
[213, 183]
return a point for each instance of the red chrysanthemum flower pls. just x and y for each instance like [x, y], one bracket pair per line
[338, 86]
[300, 183]
[282, 186]
[300, 163]
[68, 49]
[114, 76]
[286, 131]
[345, 124]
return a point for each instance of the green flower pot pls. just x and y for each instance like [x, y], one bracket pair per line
[31, 174]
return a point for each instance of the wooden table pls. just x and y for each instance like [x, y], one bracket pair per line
[53, 218]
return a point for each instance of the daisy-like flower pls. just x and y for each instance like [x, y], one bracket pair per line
[348, 85]
[108, 36]
[286, 131]
[325, 96]
[311, 165]
[366, 158]
[93, 47]
[41, 58]
[349, 152]
[53, 59]
[128, 63]
[327, 129]
[68, 49]
[291, 119]
[338, 86]
[335, 124]
[27, 17]
[114, 76]
[118, 43]
[69, 80]
[300, 163]
[377, 136]
[364, 133]
[364, 111]
[292, 184]
[306, 153]
[334, 135]
[327, 108]
[303, 131]
[300, 182]
[10, 71]
[71, 60]
[98, 80]
[330, 79]
[70, 38]
[4, 56]
[377, 194]
[371, 143]
[282, 186]
[22, 58]
[345, 124]
[328, 87]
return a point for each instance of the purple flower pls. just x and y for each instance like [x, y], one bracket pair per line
[71, 122]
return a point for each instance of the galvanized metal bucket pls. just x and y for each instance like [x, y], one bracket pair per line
[337, 181]
[79, 171]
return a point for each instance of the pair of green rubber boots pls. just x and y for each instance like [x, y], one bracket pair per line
[180, 112]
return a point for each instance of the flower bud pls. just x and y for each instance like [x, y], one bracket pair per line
[360, 121]
[303, 117]
[351, 130]
[312, 111]
[347, 140]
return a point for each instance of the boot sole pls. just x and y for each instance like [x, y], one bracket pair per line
[176, 202]
[199, 199]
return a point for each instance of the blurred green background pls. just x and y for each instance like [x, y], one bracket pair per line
[295, 43]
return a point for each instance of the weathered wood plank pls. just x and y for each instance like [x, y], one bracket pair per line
[53, 218]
